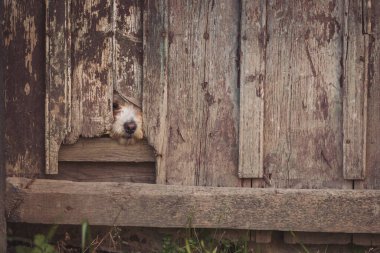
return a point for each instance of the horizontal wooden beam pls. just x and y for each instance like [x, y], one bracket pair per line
[146, 205]
[106, 150]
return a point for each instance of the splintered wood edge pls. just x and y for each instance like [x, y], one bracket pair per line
[146, 205]
[106, 150]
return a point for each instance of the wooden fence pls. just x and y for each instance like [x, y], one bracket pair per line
[236, 96]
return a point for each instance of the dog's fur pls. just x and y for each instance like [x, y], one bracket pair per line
[124, 114]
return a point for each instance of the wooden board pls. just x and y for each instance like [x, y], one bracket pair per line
[24, 74]
[106, 172]
[106, 150]
[147, 205]
[372, 175]
[372, 179]
[303, 96]
[128, 46]
[3, 174]
[317, 238]
[252, 81]
[155, 86]
[355, 89]
[190, 91]
[58, 79]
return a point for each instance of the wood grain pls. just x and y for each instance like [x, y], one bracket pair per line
[92, 69]
[192, 123]
[317, 238]
[128, 46]
[155, 74]
[106, 150]
[147, 205]
[142, 172]
[355, 85]
[3, 174]
[252, 80]
[303, 112]
[24, 55]
[366, 239]
[58, 79]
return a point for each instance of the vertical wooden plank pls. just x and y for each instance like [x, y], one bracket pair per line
[303, 129]
[3, 223]
[92, 69]
[355, 92]
[58, 79]
[24, 24]
[127, 46]
[156, 43]
[252, 78]
[372, 179]
[372, 71]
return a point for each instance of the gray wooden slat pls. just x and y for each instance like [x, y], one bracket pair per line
[190, 90]
[252, 79]
[155, 59]
[106, 150]
[58, 79]
[355, 87]
[148, 205]
[303, 95]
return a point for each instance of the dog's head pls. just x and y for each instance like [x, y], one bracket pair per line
[127, 123]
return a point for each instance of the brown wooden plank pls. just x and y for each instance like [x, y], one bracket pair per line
[128, 45]
[303, 113]
[366, 239]
[252, 79]
[317, 238]
[106, 172]
[148, 205]
[58, 79]
[106, 150]
[263, 236]
[24, 23]
[355, 86]
[92, 69]
[155, 45]
[3, 174]
[372, 179]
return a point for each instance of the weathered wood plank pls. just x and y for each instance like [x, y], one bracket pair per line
[149, 205]
[106, 150]
[252, 78]
[303, 112]
[128, 45]
[3, 174]
[372, 179]
[155, 86]
[355, 86]
[92, 69]
[106, 172]
[366, 239]
[193, 123]
[58, 79]
[24, 23]
[317, 238]
[372, 175]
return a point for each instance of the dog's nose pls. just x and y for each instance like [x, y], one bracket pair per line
[130, 127]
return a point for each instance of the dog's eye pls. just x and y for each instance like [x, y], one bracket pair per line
[115, 106]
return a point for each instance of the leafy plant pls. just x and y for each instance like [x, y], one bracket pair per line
[41, 243]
